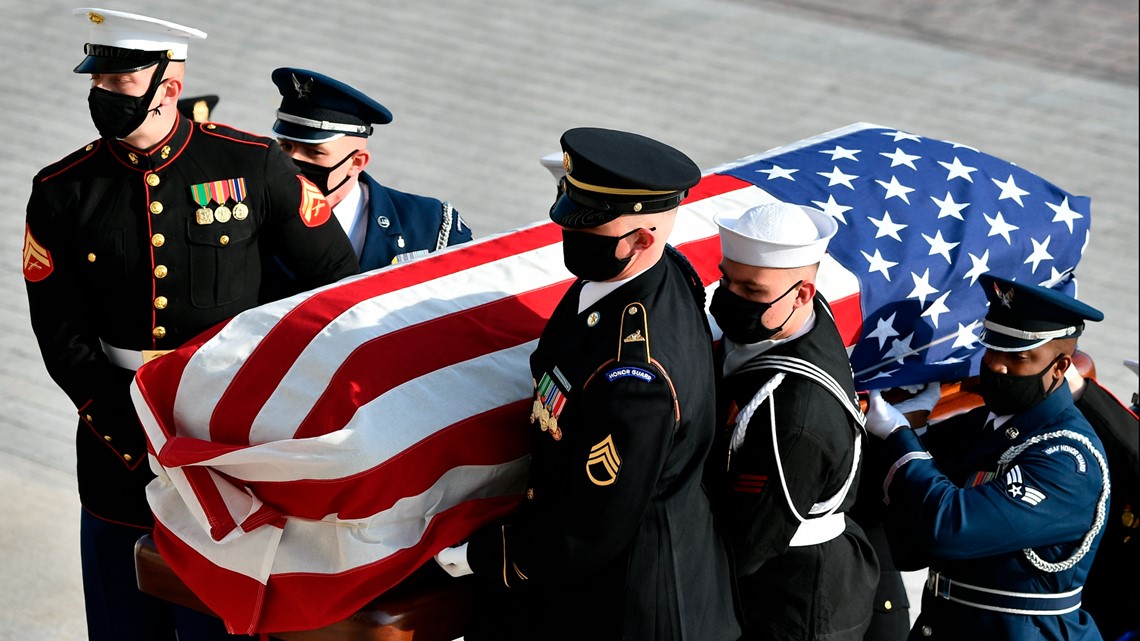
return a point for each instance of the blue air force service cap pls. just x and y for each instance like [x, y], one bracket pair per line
[613, 173]
[315, 108]
[1022, 317]
[121, 42]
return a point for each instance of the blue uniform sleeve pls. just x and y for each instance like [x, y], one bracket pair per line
[1045, 496]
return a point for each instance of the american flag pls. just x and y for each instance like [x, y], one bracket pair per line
[313, 452]
[919, 220]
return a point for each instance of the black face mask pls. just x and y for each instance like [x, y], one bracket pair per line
[1009, 394]
[116, 115]
[319, 174]
[594, 257]
[739, 318]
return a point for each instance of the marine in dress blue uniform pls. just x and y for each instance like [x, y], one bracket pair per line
[1005, 504]
[787, 463]
[324, 124]
[616, 538]
[134, 244]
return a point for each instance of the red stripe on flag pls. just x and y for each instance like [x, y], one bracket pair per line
[426, 347]
[497, 436]
[230, 594]
[252, 385]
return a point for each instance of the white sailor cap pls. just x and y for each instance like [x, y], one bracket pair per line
[122, 42]
[776, 234]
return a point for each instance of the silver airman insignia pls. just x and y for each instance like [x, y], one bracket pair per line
[604, 463]
[1005, 297]
[383, 221]
[593, 319]
[1011, 432]
[303, 88]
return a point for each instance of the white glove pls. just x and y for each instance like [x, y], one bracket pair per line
[924, 401]
[882, 417]
[454, 560]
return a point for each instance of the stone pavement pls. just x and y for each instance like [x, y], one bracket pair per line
[481, 90]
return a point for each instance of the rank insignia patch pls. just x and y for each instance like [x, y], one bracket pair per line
[1016, 488]
[314, 208]
[549, 401]
[37, 259]
[604, 463]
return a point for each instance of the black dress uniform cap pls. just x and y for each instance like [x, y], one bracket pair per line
[610, 173]
[122, 42]
[316, 108]
[1022, 317]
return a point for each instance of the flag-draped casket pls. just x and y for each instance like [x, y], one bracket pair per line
[311, 453]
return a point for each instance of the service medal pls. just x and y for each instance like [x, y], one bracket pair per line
[222, 214]
[204, 216]
[240, 211]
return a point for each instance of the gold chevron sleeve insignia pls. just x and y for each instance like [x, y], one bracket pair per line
[37, 259]
[604, 463]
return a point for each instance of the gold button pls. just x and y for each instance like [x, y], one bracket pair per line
[87, 417]
[88, 147]
[158, 332]
[158, 240]
[153, 180]
[887, 605]
[127, 458]
[225, 240]
[107, 438]
[160, 271]
[530, 493]
[156, 207]
[160, 302]
[91, 257]
[211, 126]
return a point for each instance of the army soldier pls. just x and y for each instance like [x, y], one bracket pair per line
[787, 464]
[616, 539]
[324, 125]
[1007, 503]
[134, 244]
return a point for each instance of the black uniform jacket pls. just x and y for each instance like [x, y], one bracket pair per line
[116, 251]
[821, 591]
[616, 540]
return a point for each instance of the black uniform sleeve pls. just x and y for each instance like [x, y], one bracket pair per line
[612, 475]
[315, 252]
[67, 338]
[760, 524]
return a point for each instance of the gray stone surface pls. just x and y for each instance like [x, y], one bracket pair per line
[481, 90]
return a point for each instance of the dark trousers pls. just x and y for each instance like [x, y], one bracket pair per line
[116, 609]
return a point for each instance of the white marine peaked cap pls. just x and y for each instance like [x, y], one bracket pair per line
[124, 30]
[776, 234]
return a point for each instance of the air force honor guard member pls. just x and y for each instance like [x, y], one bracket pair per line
[616, 539]
[789, 459]
[324, 125]
[1005, 504]
[134, 244]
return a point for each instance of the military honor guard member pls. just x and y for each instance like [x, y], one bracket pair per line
[324, 125]
[786, 465]
[1007, 503]
[616, 538]
[135, 243]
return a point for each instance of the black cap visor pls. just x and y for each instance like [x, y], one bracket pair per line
[108, 59]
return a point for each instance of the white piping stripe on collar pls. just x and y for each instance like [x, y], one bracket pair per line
[323, 125]
[1029, 336]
